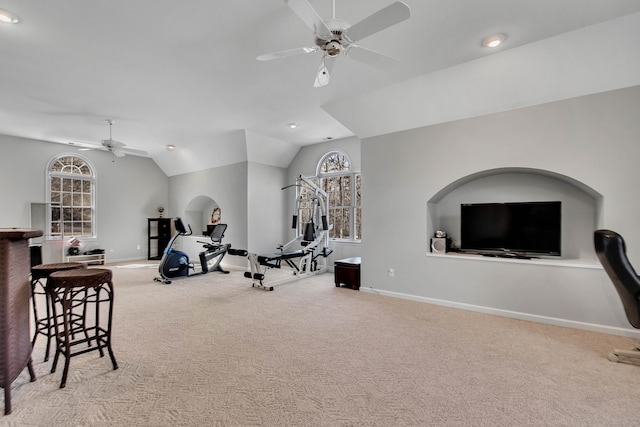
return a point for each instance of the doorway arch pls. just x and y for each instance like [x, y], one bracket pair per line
[198, 213]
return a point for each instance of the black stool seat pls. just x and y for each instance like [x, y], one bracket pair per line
[39, 273]
[86, 287]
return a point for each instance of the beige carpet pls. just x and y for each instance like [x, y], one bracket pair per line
[213, 351]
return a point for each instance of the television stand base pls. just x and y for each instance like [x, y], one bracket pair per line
[508, 255]
[513, 256]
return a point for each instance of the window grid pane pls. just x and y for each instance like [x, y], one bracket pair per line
[75, 194]
[341, 220]
[340, 193]
[338, 188]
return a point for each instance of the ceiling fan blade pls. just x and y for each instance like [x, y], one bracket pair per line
[384, 18]
[117, 152]
[324, 71]
[286, 53]
[133, 152]
[85, 145]
[370, 57]
[308, 14]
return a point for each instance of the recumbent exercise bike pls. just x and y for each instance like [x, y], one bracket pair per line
[175, 264]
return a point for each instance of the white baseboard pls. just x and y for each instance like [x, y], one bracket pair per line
[612, 330]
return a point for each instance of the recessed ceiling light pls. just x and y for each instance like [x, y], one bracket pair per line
[7, 17]
[493, 41]
[171, 147]
[292, 125]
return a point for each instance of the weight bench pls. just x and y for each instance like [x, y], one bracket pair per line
[275, 260]
[302, 262]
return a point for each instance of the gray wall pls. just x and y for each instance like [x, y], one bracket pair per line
[266, 204]
[591, 140]
[227, 185]
[129, 190]
[250, 198]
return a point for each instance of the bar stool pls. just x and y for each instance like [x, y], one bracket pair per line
[39, 274]
[68, 289]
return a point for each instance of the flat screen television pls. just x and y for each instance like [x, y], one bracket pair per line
[525, 228]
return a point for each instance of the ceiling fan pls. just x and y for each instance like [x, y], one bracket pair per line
[337, 36]
[116, 148]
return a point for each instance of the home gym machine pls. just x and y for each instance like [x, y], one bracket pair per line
[175, 264]
[307, 253]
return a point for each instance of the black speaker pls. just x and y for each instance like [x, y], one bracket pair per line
[35, 251]
[440, 245]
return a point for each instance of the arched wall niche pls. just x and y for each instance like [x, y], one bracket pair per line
[198, 212]
[581, 204]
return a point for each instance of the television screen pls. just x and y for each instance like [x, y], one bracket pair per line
[526, 228]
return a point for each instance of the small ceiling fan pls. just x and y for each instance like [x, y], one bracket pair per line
[116, 148]
[337, 36]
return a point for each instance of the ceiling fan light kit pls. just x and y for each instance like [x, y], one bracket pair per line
[114, 147]
[337, 36]
[7, 17]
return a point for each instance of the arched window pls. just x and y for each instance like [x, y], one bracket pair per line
[342, 185]
[332, 162]
[71, 192]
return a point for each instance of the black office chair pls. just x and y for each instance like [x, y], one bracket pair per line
[612, 254]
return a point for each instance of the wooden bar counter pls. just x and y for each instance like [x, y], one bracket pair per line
[15, 291]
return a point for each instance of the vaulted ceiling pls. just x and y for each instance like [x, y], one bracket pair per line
[185, 73]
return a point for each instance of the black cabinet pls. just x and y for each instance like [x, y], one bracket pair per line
[347, 271]
[159, 234]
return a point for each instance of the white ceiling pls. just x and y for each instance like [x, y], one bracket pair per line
[185, 72]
